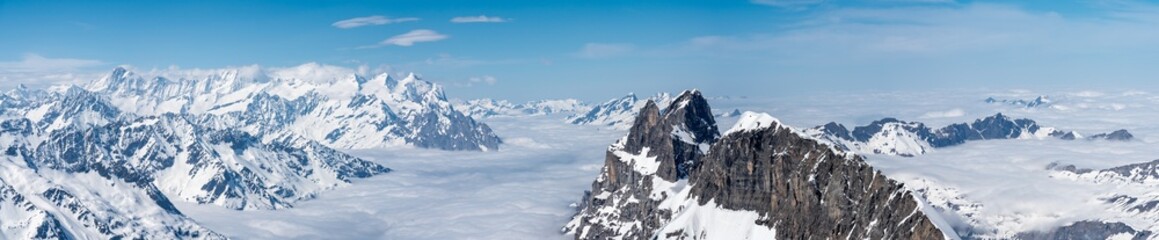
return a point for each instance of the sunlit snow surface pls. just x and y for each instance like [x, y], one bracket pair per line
[523, 191]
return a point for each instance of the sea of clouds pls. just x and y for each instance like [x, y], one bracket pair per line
[524, 190]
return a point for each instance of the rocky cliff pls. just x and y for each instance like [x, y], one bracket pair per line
[674, 177]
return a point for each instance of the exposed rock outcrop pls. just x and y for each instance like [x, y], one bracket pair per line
[891, 136]
[1088, 230]
[673, 177]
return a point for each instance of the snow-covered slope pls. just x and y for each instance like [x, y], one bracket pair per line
[38, 201]
[483, 108]
[1040, 101]
[46, 204]
[337, 108]
[76, 165]
[618, 113]
[229, 168]
[891, 136]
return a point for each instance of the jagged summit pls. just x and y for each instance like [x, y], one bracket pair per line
[892, 136]
[106, 160]
[486, 107]
[753, 121]
[618, 113]
[1040, 101]
[677, 135]
[760, 180]
[690, 112]
[329, 104]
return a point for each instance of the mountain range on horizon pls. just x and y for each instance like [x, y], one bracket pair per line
[235, 141]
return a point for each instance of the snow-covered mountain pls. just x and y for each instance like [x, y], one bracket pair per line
[72, 196]
[484, 108]
[675, 177]
[48, 204]
[618, 113]
[1040, 101]
[733, 113]
[891, 136]
[762, 179]
[77, 164]
[339, 109]
[225, 167]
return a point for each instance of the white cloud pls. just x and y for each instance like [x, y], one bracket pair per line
[604, 50]
[476, 80]
[415, 36]
[36, 70]
[1088, 94]
[792, 4]
[35, 63]
[955, 44]
[478, 19]
[370, 21]
[952, 113]
[489, 80]
[929, 30]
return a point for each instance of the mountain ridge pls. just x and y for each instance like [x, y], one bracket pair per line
[640, 193]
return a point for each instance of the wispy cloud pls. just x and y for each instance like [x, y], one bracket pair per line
[479, 80]
[604, 50]
[489, 80]
[370, 21]
[410, 38]
[952, 113]
[479, 19]
[32, 62]
[790, 4]
[936, 31]
[36, 70]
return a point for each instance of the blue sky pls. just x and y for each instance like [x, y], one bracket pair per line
[595, 50]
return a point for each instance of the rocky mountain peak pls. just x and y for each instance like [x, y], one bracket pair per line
[641, 134]
[803, 189]
[677, 137]
[118, 78]
[1117, 135]
[762, 177]
[837, 130]
[690, 112]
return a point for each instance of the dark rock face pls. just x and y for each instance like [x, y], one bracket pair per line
[429, 131]
[836, 130]
[1118, 135]
[1086, 230]
[807, 190]
[800, 187]
[734, 113]
[998, 126]
[1131, 173]
[1069, 168]
[674, 139]
[1065, 136]
[993, 127]
[1138, 171]
[1040, 101]
[675, 136]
